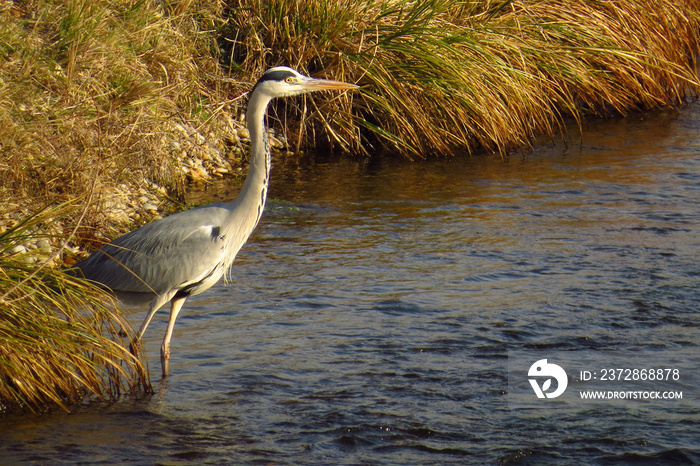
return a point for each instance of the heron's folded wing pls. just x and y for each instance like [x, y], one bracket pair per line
[158, 257]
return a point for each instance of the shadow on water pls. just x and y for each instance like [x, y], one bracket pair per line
[370, 317]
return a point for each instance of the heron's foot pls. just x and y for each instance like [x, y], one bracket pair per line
[165, 360]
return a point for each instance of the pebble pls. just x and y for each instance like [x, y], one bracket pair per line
[44, 246]
[276, 143]
[19, 249]
[150, 207]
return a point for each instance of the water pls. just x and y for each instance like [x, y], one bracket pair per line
[370, 317]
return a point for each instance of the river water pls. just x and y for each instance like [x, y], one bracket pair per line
[373, 314]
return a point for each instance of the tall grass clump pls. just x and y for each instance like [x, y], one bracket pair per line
[61, 338]
[442, 76]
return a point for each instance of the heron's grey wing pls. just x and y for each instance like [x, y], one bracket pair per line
[164, 255]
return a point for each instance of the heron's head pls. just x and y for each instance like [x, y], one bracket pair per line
[282, 81]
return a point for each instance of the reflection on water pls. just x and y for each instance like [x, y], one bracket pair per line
[370, 316]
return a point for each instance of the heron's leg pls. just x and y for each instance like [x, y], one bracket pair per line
[175, 306]
[156, 304]
[152, 308]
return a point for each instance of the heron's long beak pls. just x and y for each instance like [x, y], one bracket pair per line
[313, 84]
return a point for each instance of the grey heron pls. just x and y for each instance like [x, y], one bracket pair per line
[185, 254]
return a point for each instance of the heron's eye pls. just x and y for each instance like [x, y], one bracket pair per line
[289, 80]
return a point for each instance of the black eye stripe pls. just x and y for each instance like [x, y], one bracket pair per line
[279, 75]
[273, 75]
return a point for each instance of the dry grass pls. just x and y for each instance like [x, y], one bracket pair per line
[90, 85]
[445, 77]
[61, 338]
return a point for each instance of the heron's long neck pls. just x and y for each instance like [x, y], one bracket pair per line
[254, 193]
